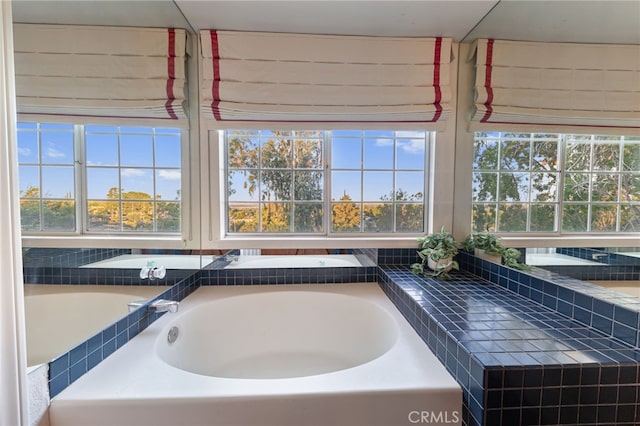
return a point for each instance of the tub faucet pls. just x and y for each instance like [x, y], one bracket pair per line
[153, 272]
[598, 256]
[162, 305]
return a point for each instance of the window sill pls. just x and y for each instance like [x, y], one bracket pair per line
[104, 241]
[616, 240]
[289, 242]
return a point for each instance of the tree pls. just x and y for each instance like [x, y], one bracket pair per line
[345, 216]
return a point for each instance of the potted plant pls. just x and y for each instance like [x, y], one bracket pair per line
[485, 246]
[436, 253]
[488, 246]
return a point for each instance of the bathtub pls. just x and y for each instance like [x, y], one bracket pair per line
[555, 259]
[300, 261]
[59, 317]
[337, 354]
[628, 287]
[137, 261]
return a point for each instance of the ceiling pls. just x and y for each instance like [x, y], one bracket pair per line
[588, 21]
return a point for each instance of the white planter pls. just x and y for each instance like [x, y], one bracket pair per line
[438, 266]
[490, 257]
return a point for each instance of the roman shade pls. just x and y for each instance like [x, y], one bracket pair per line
[87, 71]
[265, 78]
[549, 85]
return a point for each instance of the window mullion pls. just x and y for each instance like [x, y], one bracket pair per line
[80, 170]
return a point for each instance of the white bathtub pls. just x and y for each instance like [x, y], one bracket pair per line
[58, 317]
[555, 259]
[325, 355]
[299, 261]
[137, 261]
[629, 287]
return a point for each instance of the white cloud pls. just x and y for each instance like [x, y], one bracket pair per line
[384, 142]
[412, 145]
[52, 152]
[24, 151]
[133, 172]
[169, 174]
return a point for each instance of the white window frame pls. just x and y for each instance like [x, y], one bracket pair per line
[81, 237]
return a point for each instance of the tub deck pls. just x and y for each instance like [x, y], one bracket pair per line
[134, 385]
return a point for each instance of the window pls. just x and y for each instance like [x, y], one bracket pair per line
[527, 182]
[287, 181]
[93, 179]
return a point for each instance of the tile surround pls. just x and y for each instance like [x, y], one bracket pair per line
[526, 348]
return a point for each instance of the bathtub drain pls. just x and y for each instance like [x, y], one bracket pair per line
[172, 336]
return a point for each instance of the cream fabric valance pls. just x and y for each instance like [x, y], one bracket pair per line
[556, 84]
[86, 71]
[293, 78]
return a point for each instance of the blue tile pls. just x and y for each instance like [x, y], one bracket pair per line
[58, 384]
[59, 365]
[78, 353]
[625, 316]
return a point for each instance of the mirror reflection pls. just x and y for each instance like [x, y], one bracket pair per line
[613, 268]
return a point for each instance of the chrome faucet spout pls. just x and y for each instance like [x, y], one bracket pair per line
[162, 305]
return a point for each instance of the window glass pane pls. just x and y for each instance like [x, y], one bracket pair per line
[276, 185]
[276, 217]
[57, 148]
[30, 215]
[168, 184]
[29, 181]
[576, 187]
[28, 147]
[276, 152]
[605, 187]
[57, 126]
[410, 217]
[578, 156]
[242, 152]
[409, 186]
[59, 215]
[515, 155]
[102, 183]
[167, 151]
[103, 215]
[243, 218]
[630, 218]
[137, 215]
[345, 217]
[512, 218]
[101, 149]
[575, 217]
[543, 217]
[346, 153]
[545, 156]
[377, 217]
[631, 157]
[544, 187]
[138, 130]
[137, 184]
[345, 186]
[378, 153]
[606, 157]
[168, 216]
[58, 182]
[308, 154]
[485, 187]
[604, 217]
[483, 217]
[308, 186]
[242, 185]
[378, 186]
[630, 188]
[410, 153]
[485, 155]
[514, 187]
[308, 217]
[136, 150]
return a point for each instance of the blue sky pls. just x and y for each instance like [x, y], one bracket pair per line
[137, 155]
